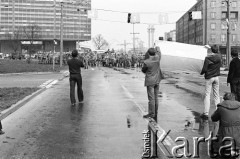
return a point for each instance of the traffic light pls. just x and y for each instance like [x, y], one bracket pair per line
[129, 18]
[189, 16]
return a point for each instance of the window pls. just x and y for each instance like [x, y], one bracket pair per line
[234, 37]
[234, 4]
[224, 4]
[234, 25]
[213, 37]
[234, 15]
[223, 38]
[213, 26]
[224, 15]
[224, 26]
[213, 4]
[213, 15]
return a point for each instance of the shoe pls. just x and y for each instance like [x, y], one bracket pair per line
[148, 116]
[204, 116]
[2, 132]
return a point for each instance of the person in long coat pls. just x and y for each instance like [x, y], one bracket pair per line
[228, 115]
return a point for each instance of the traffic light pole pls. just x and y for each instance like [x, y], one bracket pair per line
[228, 48]
[61, 36]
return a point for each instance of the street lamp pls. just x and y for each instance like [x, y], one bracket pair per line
[228, 47]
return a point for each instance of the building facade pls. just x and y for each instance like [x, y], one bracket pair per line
[170, 36]
[212, 28]
[15, 15]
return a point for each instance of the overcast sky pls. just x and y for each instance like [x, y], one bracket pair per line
[116, 32]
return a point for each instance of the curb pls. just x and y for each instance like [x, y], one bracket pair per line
[20, 103]
[26, 99]
[29, 73]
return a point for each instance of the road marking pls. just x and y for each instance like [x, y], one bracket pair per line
[51, 84]
[127, 92]
[45, 83]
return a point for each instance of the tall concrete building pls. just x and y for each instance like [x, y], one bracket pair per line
[47, 16]
[212, 28]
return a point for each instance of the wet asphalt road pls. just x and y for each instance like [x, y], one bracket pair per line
[47, 127]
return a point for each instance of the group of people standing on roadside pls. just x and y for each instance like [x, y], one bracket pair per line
[227, 113]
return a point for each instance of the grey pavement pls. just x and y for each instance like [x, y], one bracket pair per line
[48, 127]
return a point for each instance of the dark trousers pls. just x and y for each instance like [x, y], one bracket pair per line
[235, 88]
[0, 125]
[76, 78]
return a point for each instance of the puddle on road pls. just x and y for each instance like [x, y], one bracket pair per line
[185, 118]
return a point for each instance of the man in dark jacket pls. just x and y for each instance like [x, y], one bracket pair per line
[75, 77]
[234, 74]
[211, 71]
[228, 114]
[153, 77]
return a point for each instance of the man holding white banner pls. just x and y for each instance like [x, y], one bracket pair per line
[211, 71]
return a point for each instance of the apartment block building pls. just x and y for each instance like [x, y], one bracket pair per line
[170, 36]
[47, 15]
[212, 28]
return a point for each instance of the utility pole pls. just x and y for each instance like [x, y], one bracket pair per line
[134, 39]
[228, 48]
[125, 45]
[54, 36]
[150, 36]
[61, 35]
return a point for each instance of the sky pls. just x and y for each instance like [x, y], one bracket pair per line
[113, 25]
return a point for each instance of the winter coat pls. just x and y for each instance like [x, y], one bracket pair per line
[228, 115]
[211, 66]
[151, 68]
[234, 71]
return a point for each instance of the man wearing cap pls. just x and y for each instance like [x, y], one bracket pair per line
[211, 71]
[153, 77]
[234, 74]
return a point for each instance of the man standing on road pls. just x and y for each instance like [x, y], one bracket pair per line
[75, 77]
[211, 71]
[234, 74]
[153, 77]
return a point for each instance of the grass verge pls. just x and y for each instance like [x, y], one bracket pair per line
[10, 96]
[19, 66]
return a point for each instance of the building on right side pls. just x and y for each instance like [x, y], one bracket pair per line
[212, 27]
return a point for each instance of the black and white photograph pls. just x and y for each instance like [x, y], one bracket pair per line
[119, 79]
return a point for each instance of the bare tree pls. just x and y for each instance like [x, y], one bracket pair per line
[14, 39]
[32, 33]
[99, 42]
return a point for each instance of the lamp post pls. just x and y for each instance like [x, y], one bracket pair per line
[228, 47]
[61, 35]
